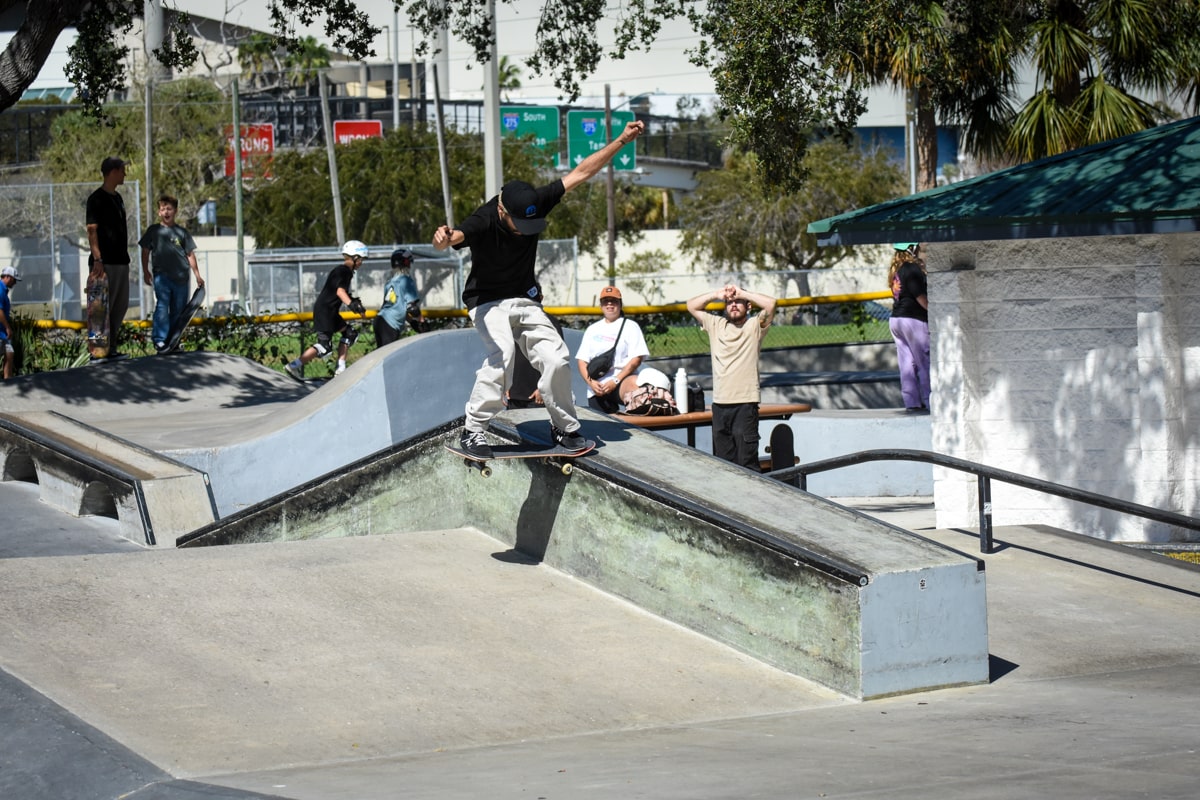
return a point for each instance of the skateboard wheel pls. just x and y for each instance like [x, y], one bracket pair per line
[567, 469]
[485, 472]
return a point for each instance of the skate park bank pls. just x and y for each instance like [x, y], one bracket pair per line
[803, 586]
[788, 578]
[446, 663]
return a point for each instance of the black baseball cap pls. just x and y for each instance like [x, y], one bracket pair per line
[520, 200]
[111, 163]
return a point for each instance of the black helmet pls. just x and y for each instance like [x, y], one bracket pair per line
[402, 258]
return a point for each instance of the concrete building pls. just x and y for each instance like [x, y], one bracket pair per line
[1065, 344]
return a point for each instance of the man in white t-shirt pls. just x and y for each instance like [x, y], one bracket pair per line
[736, 339]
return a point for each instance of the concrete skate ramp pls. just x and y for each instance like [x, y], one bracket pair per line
[788, 578]
[253, 430]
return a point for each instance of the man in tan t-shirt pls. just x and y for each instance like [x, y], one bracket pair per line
[735, 339]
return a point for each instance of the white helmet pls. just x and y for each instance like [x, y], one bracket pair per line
[355, 248]
[653, 377]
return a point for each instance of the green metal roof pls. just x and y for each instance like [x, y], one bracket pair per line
[1147, 182]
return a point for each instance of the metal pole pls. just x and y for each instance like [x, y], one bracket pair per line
[611, 190]
[152, 39]
[239, 226]
[985, 514]
[56, 280]
[395, 67]
[910, 131]
[335, 187]
[443, 158]
[414, 83]
[493, 161]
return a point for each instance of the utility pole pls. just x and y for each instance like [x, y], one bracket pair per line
[395, 67]
[493, 164]
[239, 222]
[152, 39]
[335, 186]
[610, 186]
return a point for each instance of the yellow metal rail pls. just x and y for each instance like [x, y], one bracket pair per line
[446, 313]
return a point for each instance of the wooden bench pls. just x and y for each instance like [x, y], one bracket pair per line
[695, 419]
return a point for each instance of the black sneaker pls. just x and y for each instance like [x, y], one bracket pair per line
[568, 441]
[476, 444]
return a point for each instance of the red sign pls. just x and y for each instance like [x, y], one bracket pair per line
[346, 131]
[258, 146]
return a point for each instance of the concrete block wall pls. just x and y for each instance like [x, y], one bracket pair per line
[1071, 360]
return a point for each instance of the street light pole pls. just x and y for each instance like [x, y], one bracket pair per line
[395, 68]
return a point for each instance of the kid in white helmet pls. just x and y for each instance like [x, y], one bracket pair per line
[327, 317]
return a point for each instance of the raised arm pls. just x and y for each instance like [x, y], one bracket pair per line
[696, 305]
[598, 160]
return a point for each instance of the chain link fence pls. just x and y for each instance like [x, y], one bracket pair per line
[43, 235]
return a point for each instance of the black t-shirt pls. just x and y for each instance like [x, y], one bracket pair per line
[327, 305]
[107, 212]
[912, 286]
[502, 262]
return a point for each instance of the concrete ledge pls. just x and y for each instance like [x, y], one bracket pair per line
[799, 583]
[87, 472]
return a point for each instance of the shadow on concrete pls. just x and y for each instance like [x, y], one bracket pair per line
[155, 380]
[535, 522]
[999, 667]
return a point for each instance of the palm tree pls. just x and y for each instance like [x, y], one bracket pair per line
[257, 55]
[953, 60]
[1096, 61]
[305, 60]
[509, 75]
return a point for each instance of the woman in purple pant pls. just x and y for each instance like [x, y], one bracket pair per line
[910, 325]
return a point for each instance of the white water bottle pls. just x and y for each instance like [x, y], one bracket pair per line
[681, 390]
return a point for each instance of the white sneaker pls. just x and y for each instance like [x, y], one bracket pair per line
[293, 369]
[340, 369]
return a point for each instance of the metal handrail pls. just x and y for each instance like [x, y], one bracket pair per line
[985, 474]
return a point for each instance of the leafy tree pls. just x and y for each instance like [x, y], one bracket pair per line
[954, 59]
[391, 192]
[267, 65]
[734, 218]
[188, 146]
[773, 63]
[509, 76]
[96, 59]
[1095, 60]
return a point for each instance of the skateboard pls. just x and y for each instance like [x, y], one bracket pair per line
[97, 316]
[181, 322]
[782, 447]
[553, 455]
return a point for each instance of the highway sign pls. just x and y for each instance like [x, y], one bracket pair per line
[541, 122]
[585, 135]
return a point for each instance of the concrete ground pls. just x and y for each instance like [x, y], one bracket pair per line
[436, 665]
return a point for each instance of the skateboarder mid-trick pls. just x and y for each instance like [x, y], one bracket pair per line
[499, 296]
